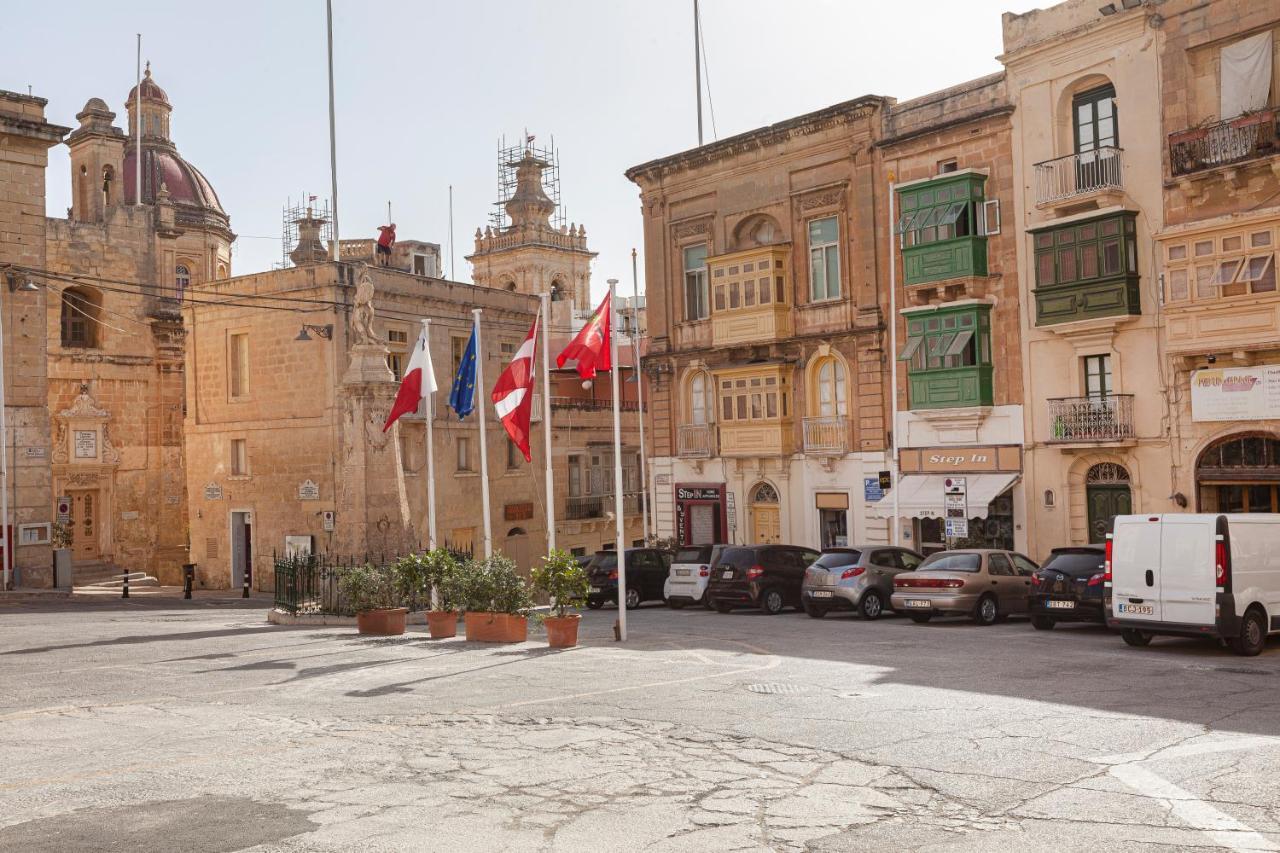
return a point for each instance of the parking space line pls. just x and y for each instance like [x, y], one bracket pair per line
[1223, 829]
[1184, 750]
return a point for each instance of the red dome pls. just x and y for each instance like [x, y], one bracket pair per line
[189, 190]
[150, 92]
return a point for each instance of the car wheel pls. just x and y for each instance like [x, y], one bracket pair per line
[633, 599]
[722, 606]
[920, 618]
[872, 605]
[1043, 623]
[706, 603]
[675, 605]
[1253, 634]
[986, 613]
[771, 602]
[594, 603]
[1134, 637]
[814, 611]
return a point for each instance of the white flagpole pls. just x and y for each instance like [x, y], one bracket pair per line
[431, 454]
[137, 112]
[620, 527]
[333, 136]
[893, 365]
[481, 403]
[546, 418]
[638, 374]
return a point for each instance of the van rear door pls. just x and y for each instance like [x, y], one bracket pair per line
[1135, 568]
[1187, 585]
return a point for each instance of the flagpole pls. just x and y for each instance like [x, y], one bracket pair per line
[137, 109]
[620, 534]
[481, 403]
[431, 454]
[893, 366]
[639, 375]
[546, 418]
[333, 137]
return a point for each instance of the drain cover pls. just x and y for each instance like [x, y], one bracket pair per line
[779, 689]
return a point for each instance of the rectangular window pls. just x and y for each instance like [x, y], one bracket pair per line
[464, 453]
[457, 346]
[238, 366]
[824, 259]
[514, 456]
[239, 458]
[697, 304]
[1097, 376]
[946, 341]
[1085, 252]
[575, 475]
[398, 344]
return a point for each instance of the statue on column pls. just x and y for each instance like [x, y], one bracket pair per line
[363, 321]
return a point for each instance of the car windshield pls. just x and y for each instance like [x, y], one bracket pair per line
[836, 559]
[1076, 564]
[700, 554]
[948, 562]
[604, 561]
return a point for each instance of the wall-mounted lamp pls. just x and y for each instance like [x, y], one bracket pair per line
[325, 331]
[26, 285]
[1180, 499]
[1211, 358]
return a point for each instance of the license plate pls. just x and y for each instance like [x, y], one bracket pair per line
[727, 575]
[592, 589]
[1138, 609]
[1061, 605]
[684, 573]
[819, 593]
[918, 602]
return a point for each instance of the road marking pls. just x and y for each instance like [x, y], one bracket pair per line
[1204, 747]
[1219, 826]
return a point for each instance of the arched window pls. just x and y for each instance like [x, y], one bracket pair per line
[181, 280]
[702, 407]
[557, 290]
[222, 271]
[764, 493]
[108, 181]
[80, 309]
[831, 391]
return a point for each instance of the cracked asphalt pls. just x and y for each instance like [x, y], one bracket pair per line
[157, 724]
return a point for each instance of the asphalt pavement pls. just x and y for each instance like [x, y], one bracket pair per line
[162, 725]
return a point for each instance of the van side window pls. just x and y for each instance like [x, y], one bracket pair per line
[998, 564]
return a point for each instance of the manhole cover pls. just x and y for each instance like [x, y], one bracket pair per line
[779, 689]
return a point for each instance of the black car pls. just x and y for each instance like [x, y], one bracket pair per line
[646, 573]
[1068, 587]
[764, 576]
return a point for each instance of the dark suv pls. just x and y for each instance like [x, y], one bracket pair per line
[764, 576]
[646, 573]
[1069, 587]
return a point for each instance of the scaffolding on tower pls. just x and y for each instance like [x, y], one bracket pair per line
[294, 214]
[508, 157]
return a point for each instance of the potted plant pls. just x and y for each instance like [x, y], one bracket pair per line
[561, 578]
[371, 591]
[496, 599]
[444, 590]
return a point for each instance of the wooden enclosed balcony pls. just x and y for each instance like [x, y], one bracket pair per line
[750, 296]
[756, 439]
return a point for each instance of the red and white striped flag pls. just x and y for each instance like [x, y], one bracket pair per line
[513, 392]
[418, 383]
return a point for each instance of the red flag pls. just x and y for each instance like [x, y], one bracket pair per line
[513, 392]
[418, 383]
[591, 345]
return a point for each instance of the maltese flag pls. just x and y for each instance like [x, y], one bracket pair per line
[513, 392]
[418, 383]
[590, 348]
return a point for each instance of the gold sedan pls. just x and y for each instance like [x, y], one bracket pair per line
[985, 584]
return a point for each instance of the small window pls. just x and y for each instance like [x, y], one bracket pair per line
[824, 258]
[464, 453]
[239, 457]
[1097, 376]
[945, 166]
[238, 366]
[514, 456]
[695, 282]
[79, 317]
[181, 280]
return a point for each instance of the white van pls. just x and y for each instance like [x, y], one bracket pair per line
[1195, 575]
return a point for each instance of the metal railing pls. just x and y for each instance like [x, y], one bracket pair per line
[1244, 137]
[584, 405]
[826, 436]
[696, 441]
[307, 584]
[1076, 419]
[1078, 174]
[583, 507]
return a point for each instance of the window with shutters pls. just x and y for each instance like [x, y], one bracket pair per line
[948, 356]
[1086, 269]
[944, 224]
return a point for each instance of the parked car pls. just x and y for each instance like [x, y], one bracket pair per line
[985, 584]
[646, 573]
[858, 578]
[764, 576]
[689, 574]
[1069, 587]
[1196, 574]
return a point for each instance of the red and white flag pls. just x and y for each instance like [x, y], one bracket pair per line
[418, 383]
[590, 347]
[513, 392]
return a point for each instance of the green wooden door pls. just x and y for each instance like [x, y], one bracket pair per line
[1105, 503]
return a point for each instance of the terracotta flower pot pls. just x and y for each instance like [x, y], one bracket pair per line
[442, 624]
[386, 623]
[562, 631]
[485, 627]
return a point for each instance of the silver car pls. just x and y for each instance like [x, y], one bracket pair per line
[855, 578]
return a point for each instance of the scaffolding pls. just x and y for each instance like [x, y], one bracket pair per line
[508, 157]
[308, 207]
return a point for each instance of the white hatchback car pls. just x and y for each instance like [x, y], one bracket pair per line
[689, 573]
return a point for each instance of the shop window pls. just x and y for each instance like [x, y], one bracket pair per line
[1086, 269]
[824, 259]
[948, 356]
[696, 300]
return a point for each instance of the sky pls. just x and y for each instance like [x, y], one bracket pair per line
[425, 90]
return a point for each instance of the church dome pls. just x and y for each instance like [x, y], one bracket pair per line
[151, 91]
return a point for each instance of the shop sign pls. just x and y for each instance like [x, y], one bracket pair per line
[697, 493]
[885, 479]
[871, 489]
[947, 460]
[1236, 393]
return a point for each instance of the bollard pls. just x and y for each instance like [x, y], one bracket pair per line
[188, 578]
[246, 585]
[124, 588]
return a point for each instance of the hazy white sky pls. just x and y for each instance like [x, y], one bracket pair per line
[424, 90]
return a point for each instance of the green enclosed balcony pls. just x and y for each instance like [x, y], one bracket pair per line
[948, 356]
[944, 227]
[1086, 269]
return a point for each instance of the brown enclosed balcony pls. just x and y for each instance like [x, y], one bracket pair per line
[1083, 420]
[1245, 137]
[1085, 173]
[750, 296]
[826, 436]
[696, 441]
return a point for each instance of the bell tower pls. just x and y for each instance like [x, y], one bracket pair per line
[97, 163]
[527, 247]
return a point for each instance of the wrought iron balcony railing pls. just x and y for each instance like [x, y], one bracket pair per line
[1085, 419]
[1078, 174]
[826, 436]
[1235, 140]
[696, 441]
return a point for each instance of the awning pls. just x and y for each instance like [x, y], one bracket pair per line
[921, 495]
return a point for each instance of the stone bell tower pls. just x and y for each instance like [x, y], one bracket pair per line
[527, 247]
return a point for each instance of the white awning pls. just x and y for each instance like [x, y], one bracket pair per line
[920, 495]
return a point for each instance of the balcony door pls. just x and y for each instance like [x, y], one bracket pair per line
[1097, 138]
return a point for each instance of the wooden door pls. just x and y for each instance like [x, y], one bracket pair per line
[84, 525]
[766, 525]
[1105, 503]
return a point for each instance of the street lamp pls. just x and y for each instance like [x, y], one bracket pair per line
[325, 331]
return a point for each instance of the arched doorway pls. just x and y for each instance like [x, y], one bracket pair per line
[766, 517]
[1107, 494]
[516, 547]
[1240, 473]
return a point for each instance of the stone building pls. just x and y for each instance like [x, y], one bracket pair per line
[25, 139]
[118, 270]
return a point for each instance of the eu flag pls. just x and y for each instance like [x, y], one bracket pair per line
[462, 399]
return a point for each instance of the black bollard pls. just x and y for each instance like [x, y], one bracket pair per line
[124, 588]
[188, 578]
[246, 586]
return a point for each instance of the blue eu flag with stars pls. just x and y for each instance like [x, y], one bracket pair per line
[462, 399]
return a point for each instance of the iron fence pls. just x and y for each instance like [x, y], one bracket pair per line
[1077, 419]
[1078, 174]
[1223, 143]
[307, 584]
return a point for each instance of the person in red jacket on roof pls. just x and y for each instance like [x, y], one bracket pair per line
[386, 239]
